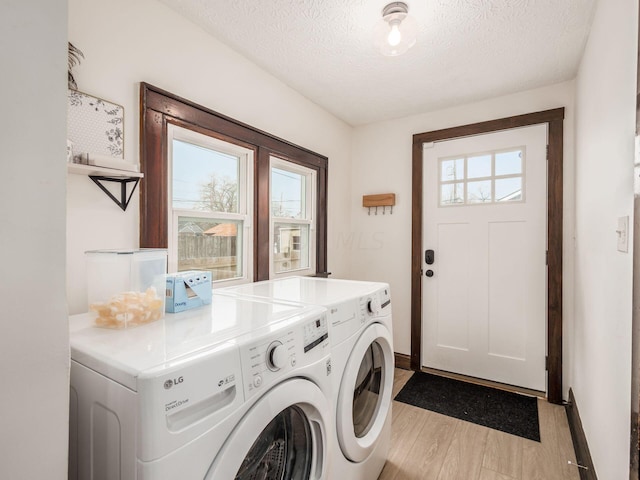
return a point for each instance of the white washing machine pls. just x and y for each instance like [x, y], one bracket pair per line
[361, 337]
[238, 389]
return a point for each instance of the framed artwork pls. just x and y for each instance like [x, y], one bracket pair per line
[95, 126]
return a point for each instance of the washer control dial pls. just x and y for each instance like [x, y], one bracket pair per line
[276, 356]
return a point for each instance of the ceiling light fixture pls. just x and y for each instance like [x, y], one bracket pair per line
[396, 32]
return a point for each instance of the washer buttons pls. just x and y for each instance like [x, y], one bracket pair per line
[293, 360]
[257, 381]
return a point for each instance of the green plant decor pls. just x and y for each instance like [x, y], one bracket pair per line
[74, 59]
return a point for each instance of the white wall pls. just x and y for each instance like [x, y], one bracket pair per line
[34, 346]
[381, 245]
[605, 124]
[127, 42]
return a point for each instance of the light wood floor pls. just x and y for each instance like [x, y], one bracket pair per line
[428, 446]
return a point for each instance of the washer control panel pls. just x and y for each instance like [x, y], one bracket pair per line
[270, 357]
[315, 333]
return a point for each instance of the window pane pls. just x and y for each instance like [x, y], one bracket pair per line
[452, 170]
[509, 189]
[287, 194]
[451, 193]
[509, 163]
[209, 244]
[291, 247]
[479, 166]
[479, 192]
[204, 179]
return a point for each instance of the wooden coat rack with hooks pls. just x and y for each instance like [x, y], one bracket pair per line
[383, 200]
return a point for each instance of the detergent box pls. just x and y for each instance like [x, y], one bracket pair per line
[187, 290]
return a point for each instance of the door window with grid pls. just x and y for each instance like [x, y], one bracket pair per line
[490, 177]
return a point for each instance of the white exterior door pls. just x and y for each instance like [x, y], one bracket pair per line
[484, 290]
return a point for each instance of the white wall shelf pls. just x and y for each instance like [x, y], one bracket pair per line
[104, 174]
[89, 170]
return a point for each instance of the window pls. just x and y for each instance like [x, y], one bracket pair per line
[492, 177]
[206, 193]
[210, 203]
[292, 219]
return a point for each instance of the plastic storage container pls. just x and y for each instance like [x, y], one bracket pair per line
[126, 288]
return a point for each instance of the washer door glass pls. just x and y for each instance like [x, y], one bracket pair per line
[366, 395]
[283, 450]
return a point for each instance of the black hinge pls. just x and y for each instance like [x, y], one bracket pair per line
[546, 363]
[547, 258]
[547, 152]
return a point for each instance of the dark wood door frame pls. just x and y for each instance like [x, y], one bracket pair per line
[554, 119]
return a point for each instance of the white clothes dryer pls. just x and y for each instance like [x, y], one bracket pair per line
[361, 338]
[238, 389]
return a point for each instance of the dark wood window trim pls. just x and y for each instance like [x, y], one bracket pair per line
[158, 108]
[554, 118]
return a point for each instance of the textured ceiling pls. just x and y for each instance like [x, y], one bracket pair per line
[466, 50]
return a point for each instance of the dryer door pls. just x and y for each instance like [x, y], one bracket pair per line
[365, 393]
[283, 436]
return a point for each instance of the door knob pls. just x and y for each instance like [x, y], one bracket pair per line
[429, 273]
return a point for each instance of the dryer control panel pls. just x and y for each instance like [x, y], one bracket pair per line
[277, 354]
[376, 304]
[385, 299]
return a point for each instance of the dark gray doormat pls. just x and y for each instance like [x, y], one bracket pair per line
[505, 411]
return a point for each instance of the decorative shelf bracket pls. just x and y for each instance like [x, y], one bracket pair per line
[124, 200]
